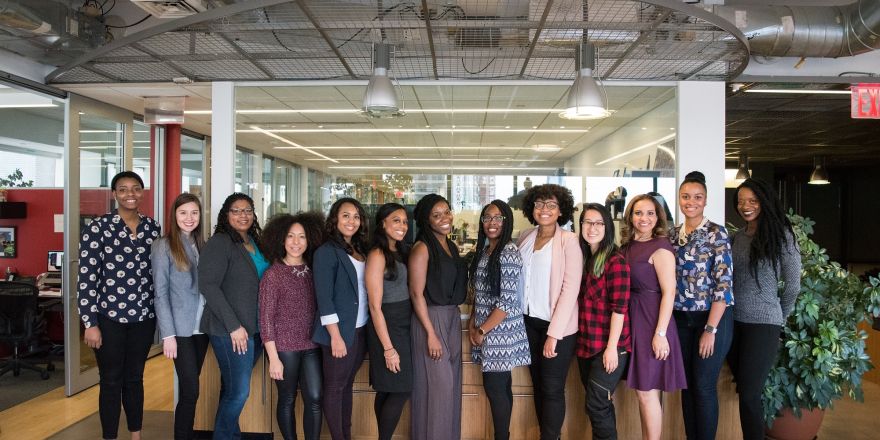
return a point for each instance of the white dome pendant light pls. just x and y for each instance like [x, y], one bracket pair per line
[587, 99]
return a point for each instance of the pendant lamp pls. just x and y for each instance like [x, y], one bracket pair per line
[380, 99]
[587, 98]
[820, 174]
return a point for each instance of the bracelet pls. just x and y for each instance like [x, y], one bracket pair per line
[389, 349]
[392, 356]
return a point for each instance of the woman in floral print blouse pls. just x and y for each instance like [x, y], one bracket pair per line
[115, 300]
[704, 292]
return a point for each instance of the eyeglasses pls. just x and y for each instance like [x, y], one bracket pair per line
[540, 204]
[588, 224]
[496, 219]
[245, 211]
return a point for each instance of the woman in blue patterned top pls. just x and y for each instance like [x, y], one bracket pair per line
[496, 328]
[115, 299]
[704, 292]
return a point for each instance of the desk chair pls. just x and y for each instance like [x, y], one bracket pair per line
[20, 324]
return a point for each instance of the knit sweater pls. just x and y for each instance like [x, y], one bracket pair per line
[759, 300]
[287, 307]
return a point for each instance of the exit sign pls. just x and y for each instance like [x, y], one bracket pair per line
[865, 101]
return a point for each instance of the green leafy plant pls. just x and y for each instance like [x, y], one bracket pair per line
[15, 180]
[823, 351]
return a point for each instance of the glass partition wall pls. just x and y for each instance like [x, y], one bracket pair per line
[471, 142]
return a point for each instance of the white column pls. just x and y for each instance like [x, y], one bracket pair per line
[222, 167]
[700, 142]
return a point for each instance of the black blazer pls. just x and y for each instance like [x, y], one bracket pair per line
[336, 289]
[228, 279]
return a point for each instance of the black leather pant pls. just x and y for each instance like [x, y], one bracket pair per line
[301, 368]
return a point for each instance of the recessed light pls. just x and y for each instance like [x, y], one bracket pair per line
[644, 128]
[320, 126]
[506, 126]
[427, 126]
[534, 126]
[672, 128]
[561, 126]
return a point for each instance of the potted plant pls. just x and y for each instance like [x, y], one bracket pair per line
[822, 357]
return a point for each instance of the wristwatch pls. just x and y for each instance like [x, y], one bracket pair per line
[481, 331]
[662, 334]
[709, 329]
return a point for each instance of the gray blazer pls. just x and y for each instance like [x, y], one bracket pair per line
[178, 301]
[228, 279]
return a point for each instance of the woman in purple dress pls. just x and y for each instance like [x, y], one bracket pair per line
[656, 364]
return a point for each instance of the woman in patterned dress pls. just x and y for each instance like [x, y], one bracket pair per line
[496, 329]
[115, 295]
[705, 326]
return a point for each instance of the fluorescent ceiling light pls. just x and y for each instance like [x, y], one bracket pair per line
[291, 143]
[801, 91]
[370, 167]
[356, 111]
[433, 159]
[546, 148]
[640, 147]
[412, 130]
[385, 147]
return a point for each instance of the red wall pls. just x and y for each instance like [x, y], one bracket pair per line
[35, 234]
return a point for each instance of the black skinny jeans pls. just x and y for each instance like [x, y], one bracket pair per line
[121, 359]
[498, 389]
[188, 365]
[699, 401]
[548, 376]
[339, 376]
[303, 368]
[599, 386]
[752, 355]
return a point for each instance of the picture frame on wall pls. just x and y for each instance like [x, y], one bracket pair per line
[8, 242]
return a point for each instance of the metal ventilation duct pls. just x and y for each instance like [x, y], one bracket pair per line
[808, 31]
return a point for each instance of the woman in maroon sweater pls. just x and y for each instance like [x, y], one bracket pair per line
[287, 313]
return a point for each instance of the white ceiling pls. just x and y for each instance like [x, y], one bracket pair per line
[470, 126]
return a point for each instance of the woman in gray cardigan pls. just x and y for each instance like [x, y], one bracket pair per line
[179, 305]
[764, 254]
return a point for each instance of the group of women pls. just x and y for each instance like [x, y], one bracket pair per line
[317, 295]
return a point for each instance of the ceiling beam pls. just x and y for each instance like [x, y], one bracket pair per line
[308, 12]
[534, 42]
[427, 13]
[644, 34]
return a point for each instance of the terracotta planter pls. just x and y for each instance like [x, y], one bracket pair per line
[788, 426]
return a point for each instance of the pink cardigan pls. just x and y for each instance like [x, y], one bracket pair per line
[565, 280]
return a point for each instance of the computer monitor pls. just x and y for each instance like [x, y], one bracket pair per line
[56, 260]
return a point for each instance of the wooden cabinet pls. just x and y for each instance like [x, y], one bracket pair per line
[476, 420]
[258, 413]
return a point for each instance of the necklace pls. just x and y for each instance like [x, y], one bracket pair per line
[684, 234]
[299, 271]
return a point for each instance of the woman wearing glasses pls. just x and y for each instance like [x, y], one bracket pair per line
[553, 266]
[437, 286]
[230, 268]
[496, 329]
[603, 343]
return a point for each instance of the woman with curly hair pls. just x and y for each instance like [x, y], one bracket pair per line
[552, 270]
[388, 338]
[340, 265]
[656, 363]
[230, 268]
[290, 242]
[496, 329]
[603, 343]
[765, 253]
[437, 286]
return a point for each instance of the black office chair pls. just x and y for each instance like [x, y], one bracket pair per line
[20, 325]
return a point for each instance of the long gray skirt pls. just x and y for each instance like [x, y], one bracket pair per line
[436, 394]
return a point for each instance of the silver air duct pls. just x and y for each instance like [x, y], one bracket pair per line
[808, 31]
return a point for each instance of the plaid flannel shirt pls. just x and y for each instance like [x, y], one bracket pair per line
[599, 298]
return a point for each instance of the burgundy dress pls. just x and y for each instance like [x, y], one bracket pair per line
[645, 371]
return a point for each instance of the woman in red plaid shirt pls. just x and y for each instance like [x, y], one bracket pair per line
[603, 343]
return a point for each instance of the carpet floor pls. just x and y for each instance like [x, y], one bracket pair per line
[15, 390]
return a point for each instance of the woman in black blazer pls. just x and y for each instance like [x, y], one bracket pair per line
[339, 266]
[230, 268]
